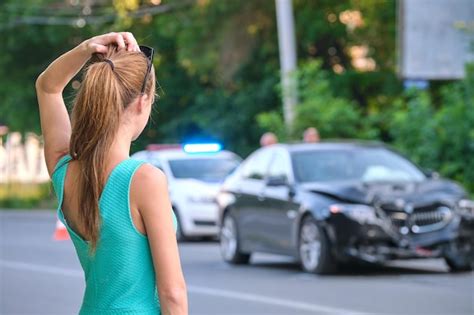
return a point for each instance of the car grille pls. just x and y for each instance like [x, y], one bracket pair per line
[419, 219]
[430, 217]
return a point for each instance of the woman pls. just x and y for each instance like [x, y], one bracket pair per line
[116, 209]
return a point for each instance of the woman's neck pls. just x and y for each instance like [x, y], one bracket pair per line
[120, 148]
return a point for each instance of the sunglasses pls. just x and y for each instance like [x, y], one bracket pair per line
[148, 52]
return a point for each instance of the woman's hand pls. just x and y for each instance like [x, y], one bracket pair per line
[100, 44]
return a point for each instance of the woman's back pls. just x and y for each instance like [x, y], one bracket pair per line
[120, 277]
[117, 210]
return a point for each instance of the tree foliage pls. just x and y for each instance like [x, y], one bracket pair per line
[218, 67]
[439, 138]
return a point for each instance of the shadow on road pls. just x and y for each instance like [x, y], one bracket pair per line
[430, 267]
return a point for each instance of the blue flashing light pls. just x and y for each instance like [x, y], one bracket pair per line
[202, 147]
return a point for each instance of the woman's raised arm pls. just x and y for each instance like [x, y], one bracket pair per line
[55, 123]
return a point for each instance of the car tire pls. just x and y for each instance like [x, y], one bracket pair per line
[229, 242]
[455, 266]
[458, 256]
[180, 236]
[458, 264]
[314, 248]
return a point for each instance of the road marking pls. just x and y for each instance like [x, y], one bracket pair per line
[194, 289]
[302, 306]
[41, 268]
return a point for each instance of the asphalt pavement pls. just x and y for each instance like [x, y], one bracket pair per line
[42, 276]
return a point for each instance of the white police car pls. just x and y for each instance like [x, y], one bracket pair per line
[195, 173]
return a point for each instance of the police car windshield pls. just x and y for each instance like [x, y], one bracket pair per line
[210, 170]
[359, 164]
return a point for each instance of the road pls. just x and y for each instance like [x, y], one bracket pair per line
[42, 276]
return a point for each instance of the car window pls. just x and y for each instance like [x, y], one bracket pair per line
[157, 164]
[279, 166]
[256, 165]
[205, 169]
[363, 164]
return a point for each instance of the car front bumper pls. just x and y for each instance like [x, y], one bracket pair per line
[199, 219]
[378, 241]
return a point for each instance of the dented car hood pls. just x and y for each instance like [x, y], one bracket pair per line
[368, 192]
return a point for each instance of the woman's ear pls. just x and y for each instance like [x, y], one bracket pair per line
[142, 103]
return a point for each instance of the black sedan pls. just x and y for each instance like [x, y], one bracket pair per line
[327, 204]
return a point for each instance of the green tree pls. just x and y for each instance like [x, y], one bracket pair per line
[213, 58]
[439, 138]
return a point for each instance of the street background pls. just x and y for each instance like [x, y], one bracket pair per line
[398, 72]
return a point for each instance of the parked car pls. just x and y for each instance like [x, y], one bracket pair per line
[195, 173]
[335, 202]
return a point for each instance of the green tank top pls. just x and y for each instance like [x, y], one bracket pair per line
[120, 277]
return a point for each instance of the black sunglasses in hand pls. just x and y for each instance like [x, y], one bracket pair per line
[148, 52]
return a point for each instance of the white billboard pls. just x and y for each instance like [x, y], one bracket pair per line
[435, 38]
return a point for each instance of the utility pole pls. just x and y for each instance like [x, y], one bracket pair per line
[287, 47]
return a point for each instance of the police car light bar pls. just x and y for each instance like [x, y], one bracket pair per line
[202, 147]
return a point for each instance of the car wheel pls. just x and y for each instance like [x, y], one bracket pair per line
[458, 260]
[458, 265]
[229, 242]
[314, 248]
[180, 236]
[459, 256]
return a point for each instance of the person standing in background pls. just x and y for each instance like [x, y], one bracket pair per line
[311, 135]
[268, 138]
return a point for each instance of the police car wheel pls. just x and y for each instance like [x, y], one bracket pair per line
[180, 236]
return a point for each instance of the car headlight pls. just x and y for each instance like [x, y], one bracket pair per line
[466, 206]
[360, 213]
[224, 199]
[202, 199]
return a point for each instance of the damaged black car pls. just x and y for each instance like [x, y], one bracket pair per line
[332, 203]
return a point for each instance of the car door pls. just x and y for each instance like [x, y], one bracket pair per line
[278, 207]
[248, 194]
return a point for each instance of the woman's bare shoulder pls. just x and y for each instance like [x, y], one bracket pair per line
[149, 182]
[149, 174]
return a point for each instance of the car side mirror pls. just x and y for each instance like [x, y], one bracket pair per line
[280, 180]
[431, 174]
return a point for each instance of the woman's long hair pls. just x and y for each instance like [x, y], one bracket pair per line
[106, 91]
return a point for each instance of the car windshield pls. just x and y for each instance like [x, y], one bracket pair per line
[211, 170]
[360, 164]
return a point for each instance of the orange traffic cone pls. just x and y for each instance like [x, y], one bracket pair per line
[60, 234]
